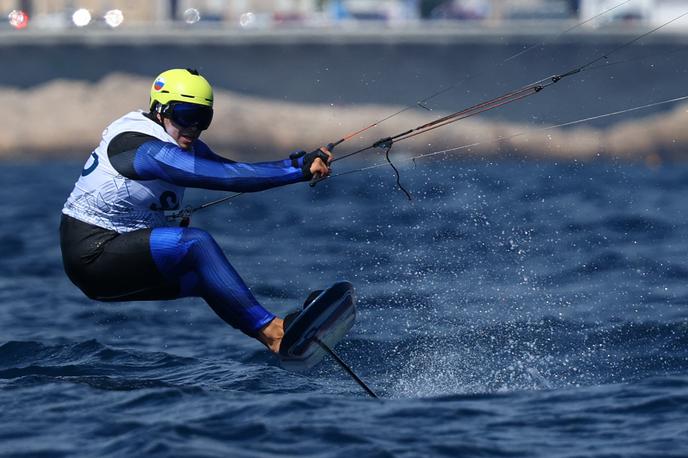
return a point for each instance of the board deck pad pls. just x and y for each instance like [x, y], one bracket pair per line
[327, 317]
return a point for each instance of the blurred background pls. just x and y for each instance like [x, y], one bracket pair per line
[314, 70]
[64, 14]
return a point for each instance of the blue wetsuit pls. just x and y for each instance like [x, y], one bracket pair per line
[171, 262]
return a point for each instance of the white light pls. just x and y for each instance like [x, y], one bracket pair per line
[114, 18]
[247, 19]
[81, 17]
[18, 19]
[192, 16]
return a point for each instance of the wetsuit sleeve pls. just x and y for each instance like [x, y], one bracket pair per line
[143, 157]
[166, 161]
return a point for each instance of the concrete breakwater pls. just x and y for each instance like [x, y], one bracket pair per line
[277, 94]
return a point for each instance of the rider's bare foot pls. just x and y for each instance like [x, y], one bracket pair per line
[271, 335]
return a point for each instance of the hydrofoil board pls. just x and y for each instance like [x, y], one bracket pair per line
[322, 323]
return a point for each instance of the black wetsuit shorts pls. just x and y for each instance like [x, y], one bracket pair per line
[109, 266]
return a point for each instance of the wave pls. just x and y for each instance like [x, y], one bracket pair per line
[88, 362]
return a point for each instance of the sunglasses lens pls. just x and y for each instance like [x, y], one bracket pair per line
[191, 115]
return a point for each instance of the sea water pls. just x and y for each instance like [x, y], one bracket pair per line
[516, 308]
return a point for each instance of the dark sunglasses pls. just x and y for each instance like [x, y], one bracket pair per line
[187, 115]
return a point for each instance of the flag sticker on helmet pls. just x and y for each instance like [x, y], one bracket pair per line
[181, 85]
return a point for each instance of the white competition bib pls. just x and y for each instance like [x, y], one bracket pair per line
[106, 199]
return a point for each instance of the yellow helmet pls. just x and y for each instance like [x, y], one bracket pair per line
[181, 85]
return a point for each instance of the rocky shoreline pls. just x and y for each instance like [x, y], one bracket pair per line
[65, 118]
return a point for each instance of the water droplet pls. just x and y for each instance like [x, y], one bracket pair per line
[247, 19]
[192, 16]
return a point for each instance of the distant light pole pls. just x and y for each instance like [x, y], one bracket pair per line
[174, 10]
[26, 6]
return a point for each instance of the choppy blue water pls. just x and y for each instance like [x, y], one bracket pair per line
[516, 309]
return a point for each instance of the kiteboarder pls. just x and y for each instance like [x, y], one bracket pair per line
[117, 243]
